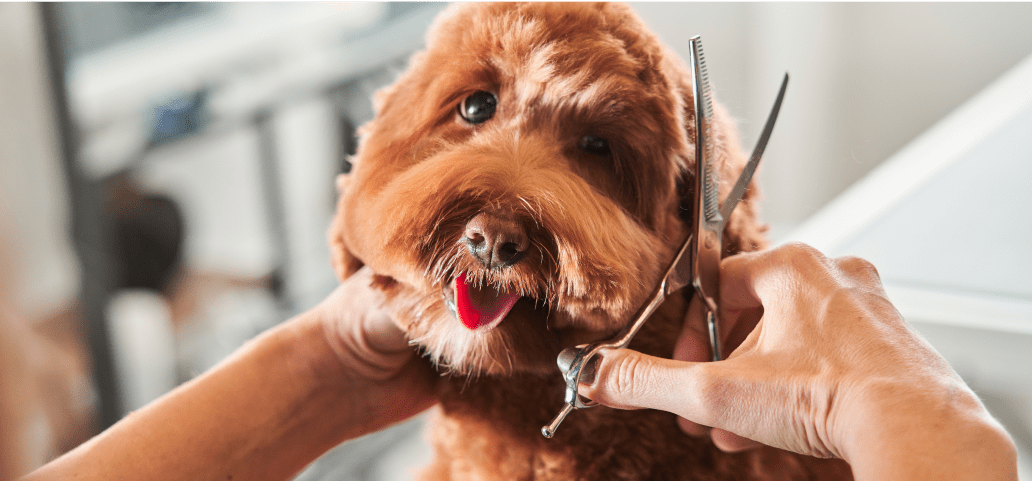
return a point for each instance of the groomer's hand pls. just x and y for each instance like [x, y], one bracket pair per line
[332, 373]
[826, 366]
[385, 380]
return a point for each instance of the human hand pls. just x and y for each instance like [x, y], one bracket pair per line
[332, 373]
[826, 366]
[379, 372]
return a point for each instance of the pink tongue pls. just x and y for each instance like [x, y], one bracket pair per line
[479, 307]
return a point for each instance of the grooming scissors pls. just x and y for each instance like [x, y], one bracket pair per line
[697, 261]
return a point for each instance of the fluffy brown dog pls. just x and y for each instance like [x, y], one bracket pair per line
[518, 193]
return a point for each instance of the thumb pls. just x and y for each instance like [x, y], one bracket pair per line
[628, 379]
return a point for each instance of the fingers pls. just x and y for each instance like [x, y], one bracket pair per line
[857, 272]
[691, 428]
[756, 279]
[356, 299]
[732, 443]
[360, 330]
[693, 346]
[737, 326]
[704, 393]
[757, 390]
[740, 276]
[628, 379]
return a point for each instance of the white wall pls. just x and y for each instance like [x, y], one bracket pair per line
[866, 78]
[33, 200]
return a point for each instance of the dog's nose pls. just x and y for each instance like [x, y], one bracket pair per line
[496, 242]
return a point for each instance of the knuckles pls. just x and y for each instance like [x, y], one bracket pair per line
[858, 267]
[624, 378]
[807, 262]
[800, 256]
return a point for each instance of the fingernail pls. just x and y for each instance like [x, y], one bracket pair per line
[590, 369]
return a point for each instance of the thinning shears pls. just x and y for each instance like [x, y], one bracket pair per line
[697, 262]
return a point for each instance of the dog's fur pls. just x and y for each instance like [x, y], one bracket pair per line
[600, 229]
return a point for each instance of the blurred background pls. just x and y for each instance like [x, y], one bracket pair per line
[166, 180]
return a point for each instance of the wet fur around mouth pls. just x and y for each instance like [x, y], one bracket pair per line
[602, 219]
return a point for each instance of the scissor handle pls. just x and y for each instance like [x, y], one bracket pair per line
[571, 362]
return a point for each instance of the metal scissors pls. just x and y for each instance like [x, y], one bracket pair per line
[697, 262]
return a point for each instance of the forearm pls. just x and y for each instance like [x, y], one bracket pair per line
[950, 437]
[262, 414]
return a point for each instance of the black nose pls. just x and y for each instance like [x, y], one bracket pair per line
[495, 241]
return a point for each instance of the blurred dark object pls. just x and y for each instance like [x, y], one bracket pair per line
[149, 235]
[349, 143]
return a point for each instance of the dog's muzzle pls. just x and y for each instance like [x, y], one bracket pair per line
[496, 242]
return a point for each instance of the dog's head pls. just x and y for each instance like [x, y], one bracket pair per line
[518, 191]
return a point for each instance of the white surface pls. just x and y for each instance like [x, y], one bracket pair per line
[34, 214]
[948, 223]
[143, 344]
[965, 228]
[948, 220]
[963, 309]
[945, 144]
[309, 161]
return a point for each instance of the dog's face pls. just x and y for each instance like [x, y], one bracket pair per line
[517, 191]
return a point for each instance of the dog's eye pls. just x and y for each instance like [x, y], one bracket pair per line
[595, 145]
[479, 107]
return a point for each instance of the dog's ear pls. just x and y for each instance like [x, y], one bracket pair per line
[344, 262]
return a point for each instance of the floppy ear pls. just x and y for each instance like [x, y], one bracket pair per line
[344, 262]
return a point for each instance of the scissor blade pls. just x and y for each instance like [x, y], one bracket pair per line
[706, 240]
[705, 206]
[679, 274]
[754, 160]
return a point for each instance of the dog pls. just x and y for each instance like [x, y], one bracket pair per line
[521, 190]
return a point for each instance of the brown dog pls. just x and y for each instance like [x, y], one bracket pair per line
[518, 193]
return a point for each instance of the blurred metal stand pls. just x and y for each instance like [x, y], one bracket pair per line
[90, 226]
[275, 207]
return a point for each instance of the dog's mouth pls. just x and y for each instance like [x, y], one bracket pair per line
[480, 306]
[512, 321]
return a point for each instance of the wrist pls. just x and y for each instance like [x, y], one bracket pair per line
[935, 431]
[372, 374]
[317, 378]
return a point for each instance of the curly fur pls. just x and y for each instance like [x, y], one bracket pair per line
[601, 229]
